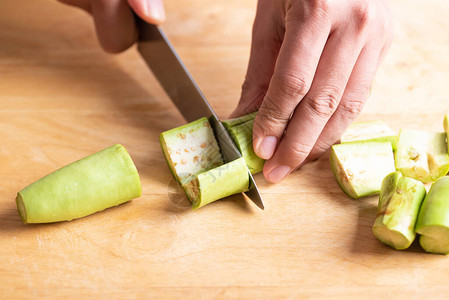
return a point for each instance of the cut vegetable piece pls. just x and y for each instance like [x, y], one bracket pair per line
[243, 138]
[228, 179]
[240, 120]
[399, 202]
[190, 150]
[374, 131]
[94, 183]
[446, 129]
[433, 218]
[360, 167]
[422, 155]
[241, 131]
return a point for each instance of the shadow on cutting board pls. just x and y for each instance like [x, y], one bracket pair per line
[9, 218]
[10, 222]
[178, 202]
[12, 225]
[364, 240]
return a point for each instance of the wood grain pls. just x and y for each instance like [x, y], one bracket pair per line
[62, 98]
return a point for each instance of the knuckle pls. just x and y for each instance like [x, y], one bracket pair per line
[351, 108]
[270, 116]
[324, 105]
[364, 14]
[291, 86]
[298, 152]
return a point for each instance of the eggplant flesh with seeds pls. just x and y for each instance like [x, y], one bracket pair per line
[190, 150]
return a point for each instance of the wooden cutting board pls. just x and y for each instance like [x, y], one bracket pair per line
[62, 98]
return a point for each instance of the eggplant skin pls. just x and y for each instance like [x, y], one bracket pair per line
[99, 181]
[433, 218]
[399, 202]
[241, 131]
[225, 180]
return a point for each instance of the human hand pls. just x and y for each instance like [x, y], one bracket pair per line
[310, 72]
[114, 19]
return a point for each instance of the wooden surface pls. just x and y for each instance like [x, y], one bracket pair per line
[62, 98]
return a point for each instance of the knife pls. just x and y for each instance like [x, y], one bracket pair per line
[167, 67]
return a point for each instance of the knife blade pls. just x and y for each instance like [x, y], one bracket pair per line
[158, 53]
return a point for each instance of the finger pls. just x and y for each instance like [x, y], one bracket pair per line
[356, 93]
[299, 55]
[151, 11]
[353, 99]
[114, 23]
[312, 114]
[266, 41]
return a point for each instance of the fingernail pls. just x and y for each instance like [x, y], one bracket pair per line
[278, 173]
[267, 146]
[155, 10]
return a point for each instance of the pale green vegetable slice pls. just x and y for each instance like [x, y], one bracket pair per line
[242, 135]
[399, 202]
[360, 167]
[240, 120]
[194, 158]
[422, 155]
[190, 149]
[433, 218]
[373, 131]
[94, 183]
[225, 180]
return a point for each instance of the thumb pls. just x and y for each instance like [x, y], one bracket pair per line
[151, 11]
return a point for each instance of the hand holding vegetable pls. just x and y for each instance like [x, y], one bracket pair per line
[311, 69]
